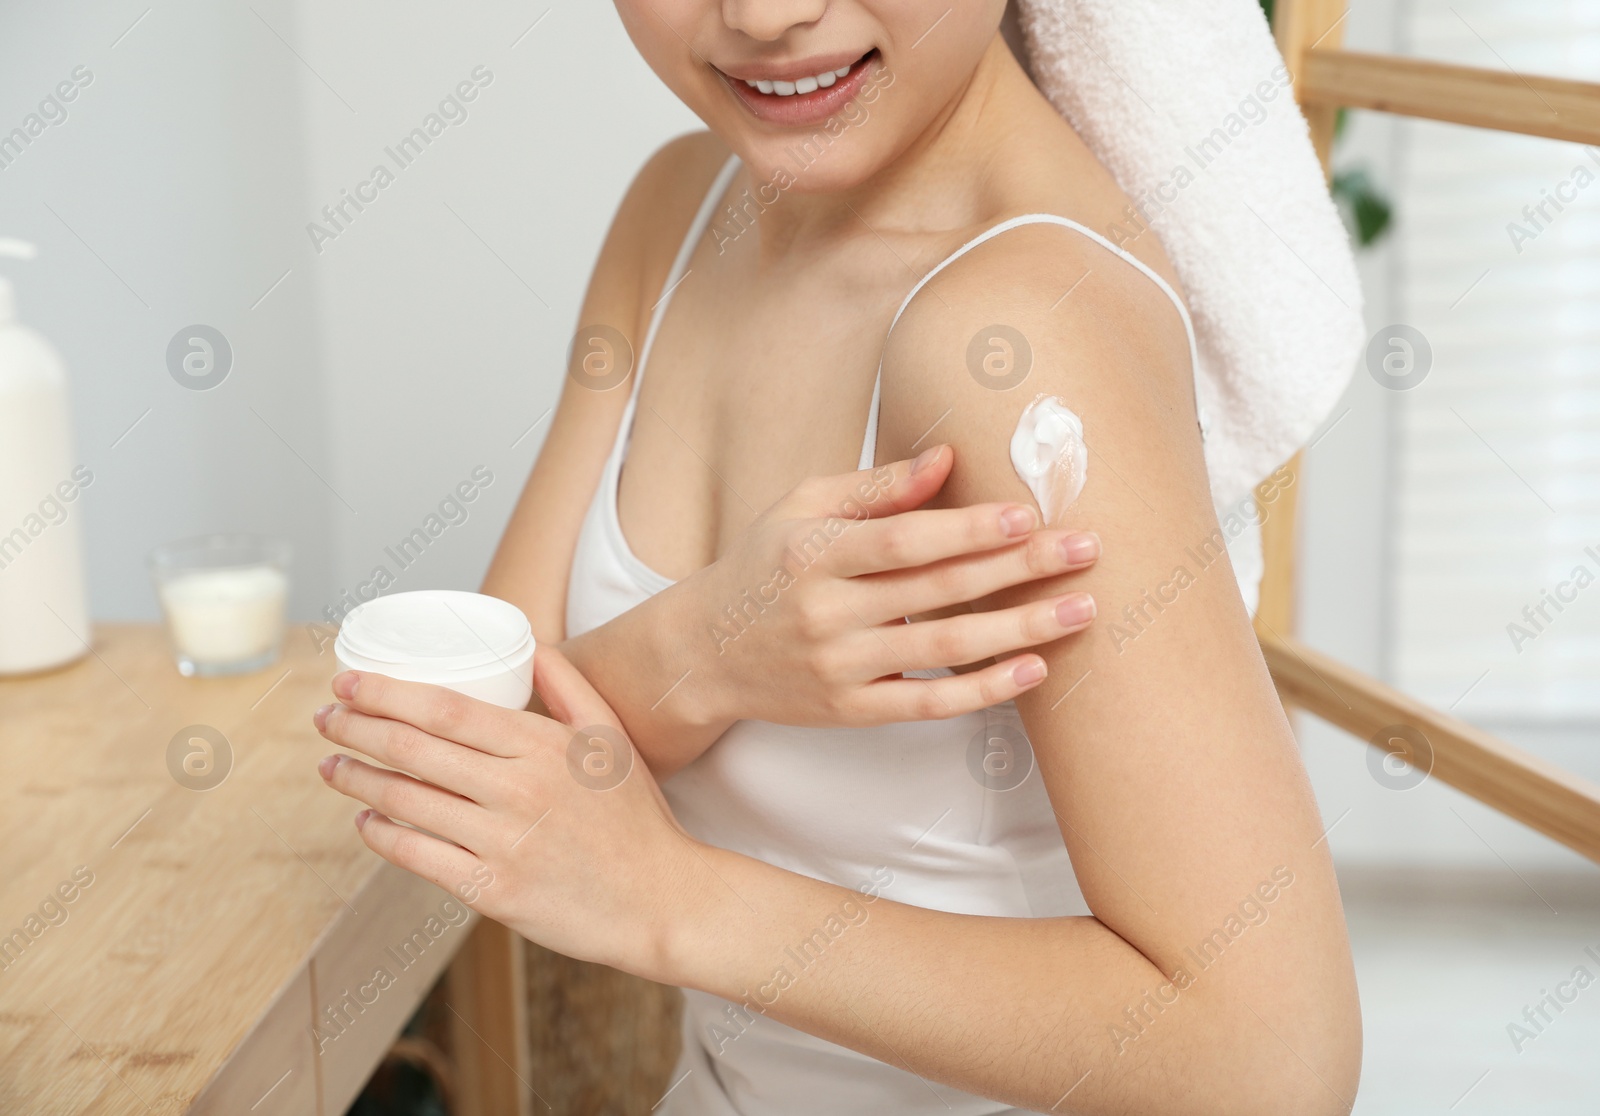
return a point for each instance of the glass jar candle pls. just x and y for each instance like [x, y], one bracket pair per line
[223, 597]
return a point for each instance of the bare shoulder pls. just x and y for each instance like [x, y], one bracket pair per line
[534, 560]
[1170, 670]
[1044, 309]
[635, 258]
[655, 214]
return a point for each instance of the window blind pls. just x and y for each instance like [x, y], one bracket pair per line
[1494, 515]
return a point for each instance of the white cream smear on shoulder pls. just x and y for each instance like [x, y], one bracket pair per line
[1049, 454]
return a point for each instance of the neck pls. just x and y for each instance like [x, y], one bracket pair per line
[939, 180]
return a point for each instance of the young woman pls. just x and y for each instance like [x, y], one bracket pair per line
[884, 885]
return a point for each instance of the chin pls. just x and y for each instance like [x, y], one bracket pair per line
[794, 165]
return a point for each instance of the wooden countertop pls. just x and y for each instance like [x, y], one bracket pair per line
[206, 929]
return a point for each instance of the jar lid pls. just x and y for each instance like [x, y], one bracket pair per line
[442, 629]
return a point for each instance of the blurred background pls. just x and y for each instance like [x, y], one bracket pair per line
[380, 358]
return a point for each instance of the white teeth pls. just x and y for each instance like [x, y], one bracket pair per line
[801, 86]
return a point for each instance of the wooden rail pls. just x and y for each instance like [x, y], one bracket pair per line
[1556, 108]
[1301, 26]
[1537, 793]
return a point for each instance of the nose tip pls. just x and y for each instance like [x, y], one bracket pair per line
[769, 20]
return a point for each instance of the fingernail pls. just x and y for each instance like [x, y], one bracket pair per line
[1030, 673]
[1076, 609]
[1081, 548]
[328, 765]
[1016, 520]
[362, 818]
[925, 458]
[320, 717]
[344, 684]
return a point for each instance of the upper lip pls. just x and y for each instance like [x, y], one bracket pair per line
[792, 71]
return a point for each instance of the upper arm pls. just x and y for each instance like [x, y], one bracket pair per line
[1171, 764]
[533, 562]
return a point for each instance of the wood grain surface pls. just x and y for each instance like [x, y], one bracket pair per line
[1502, 100]
[165, 949]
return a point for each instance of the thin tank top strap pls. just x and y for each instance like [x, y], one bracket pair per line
[680, 269]
[869, 445]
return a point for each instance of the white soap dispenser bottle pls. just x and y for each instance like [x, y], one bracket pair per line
[44, 609]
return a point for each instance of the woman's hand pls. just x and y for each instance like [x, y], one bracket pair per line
[546, 824]
[802, 620]
[807, 610]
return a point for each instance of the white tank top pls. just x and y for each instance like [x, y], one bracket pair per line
[923, 813]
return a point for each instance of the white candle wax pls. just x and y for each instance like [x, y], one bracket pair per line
[226, 615]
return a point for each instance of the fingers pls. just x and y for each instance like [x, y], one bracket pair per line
[936, 699]
[970, 638]
[972, 577]
[867, 493]
[444, 763]
[920, 537]
[411, 800]
[452, 868]
[433, 709]
[567, 693]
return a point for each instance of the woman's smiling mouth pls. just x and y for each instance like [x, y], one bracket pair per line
[800, 93]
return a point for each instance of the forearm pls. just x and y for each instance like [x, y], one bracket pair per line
[1021, 1010]
[645, 664]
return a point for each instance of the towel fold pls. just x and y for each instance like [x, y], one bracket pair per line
[1190, 106]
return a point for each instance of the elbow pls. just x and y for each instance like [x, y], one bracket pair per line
[1331, 1092]
[1308, 1059]
[1342, 1056]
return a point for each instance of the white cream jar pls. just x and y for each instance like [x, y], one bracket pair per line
[477, 645]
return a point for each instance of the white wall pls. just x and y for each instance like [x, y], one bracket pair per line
[379, 372]
[153, 205]
[449, 303]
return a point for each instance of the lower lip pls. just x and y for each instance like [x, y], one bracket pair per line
[804, 108]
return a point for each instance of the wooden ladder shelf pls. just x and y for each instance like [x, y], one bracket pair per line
[1537, 793]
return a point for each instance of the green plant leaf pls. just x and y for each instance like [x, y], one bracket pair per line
[1367, 213]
